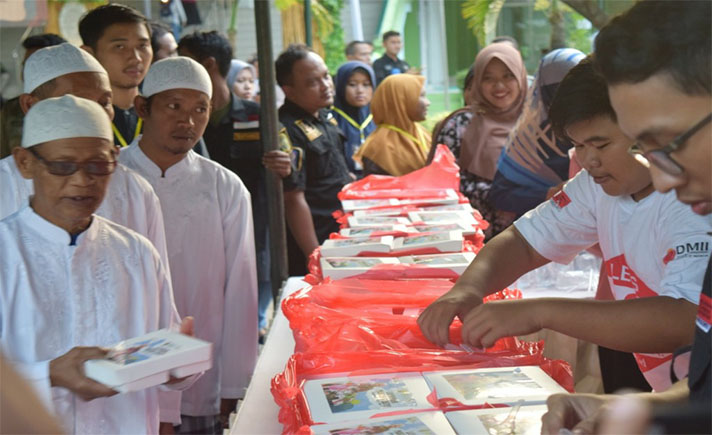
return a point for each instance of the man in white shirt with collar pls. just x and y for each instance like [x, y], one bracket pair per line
[71, 281]
[66, 69]
[209, 233]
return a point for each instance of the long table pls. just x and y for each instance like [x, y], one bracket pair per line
[258, 412]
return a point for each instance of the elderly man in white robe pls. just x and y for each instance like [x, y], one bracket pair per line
[209, 233]
[66, 69]
[71, 281]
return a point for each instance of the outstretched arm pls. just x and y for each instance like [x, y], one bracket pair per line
[504, 259]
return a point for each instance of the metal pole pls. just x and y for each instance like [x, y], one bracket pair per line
[268, 133]
[356, 25]
[147, 9]
[307, 22]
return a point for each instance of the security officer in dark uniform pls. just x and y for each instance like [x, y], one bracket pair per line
[320, 165]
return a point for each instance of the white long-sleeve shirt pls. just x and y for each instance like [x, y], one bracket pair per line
[130, 201]
[209, 234]
[108, 287]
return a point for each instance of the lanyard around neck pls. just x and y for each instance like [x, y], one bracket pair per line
[420, 141]
[121, 139]
[354, 123]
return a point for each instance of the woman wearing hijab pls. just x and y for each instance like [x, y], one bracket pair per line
[399, 144]
[500, 85]
[352, 110]
[535, 164]
[241, 79]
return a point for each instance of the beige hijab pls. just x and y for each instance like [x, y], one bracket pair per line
[399, 145]
[485, 137]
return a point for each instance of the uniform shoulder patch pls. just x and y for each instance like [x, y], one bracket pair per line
[561, 199]
[309, 131]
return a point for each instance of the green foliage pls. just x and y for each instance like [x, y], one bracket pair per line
[479, 16]
[334, 39]
[576, 37]
[327, 17]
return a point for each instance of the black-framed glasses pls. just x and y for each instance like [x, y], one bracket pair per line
[64, 169]
[661, 157]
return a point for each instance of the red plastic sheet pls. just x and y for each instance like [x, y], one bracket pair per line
[431, 181]
[375, 322]
[294, 412]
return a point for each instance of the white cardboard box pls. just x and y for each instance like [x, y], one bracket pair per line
[420, 423]
[493, 385]
[354, 246]
[456, 261]
[360, 204]
[442, 217]
[524, 420]
[344, 267]
[377, 221]
[450, 241]
[149, 360]
[343, 398]
[369, 231]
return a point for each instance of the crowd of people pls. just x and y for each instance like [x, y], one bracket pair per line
[133, 194]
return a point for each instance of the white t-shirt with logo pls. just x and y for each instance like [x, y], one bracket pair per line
[653, 247]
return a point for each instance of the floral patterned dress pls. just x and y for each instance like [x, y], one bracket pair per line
[450, 132]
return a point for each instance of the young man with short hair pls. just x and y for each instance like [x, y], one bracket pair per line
[359, 50]
[389, 63]
[656, 59]
[163, 43]
[611, 202]
[209, 233]
[119, 37]
[310, 193]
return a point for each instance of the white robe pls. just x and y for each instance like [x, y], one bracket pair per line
[130, 201]
[209, 234]
[108, 287]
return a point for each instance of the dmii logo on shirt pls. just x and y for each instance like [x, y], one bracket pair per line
[688, 250]
[561, 199]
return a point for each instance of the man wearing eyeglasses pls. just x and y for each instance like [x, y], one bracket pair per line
[611, 203]
[72, 281]
[656, 61]
[66, 69]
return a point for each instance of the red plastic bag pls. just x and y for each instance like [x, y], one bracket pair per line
[294, 412]
[431, 181]
[379, 324]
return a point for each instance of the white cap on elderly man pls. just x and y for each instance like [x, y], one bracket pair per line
[51, 62]
[64, 118]
[176, 73]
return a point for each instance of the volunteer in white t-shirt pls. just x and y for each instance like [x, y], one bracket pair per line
[652, 246]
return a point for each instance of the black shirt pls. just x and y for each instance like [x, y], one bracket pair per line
[321, 169]
[234, 142]
[383, 67]
[125, 121]
[700, 377]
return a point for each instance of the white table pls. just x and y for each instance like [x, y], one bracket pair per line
[258, 413]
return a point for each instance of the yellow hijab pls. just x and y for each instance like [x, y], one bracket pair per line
[399, 145]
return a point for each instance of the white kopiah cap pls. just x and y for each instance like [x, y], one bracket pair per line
[51, 62]
[65, 117]
[177, 73]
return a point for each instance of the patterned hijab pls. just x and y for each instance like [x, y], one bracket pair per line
[486, 135]
[399, 145]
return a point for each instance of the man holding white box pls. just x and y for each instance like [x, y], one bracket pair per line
[70, 280]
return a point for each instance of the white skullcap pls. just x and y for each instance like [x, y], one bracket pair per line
[177, 73]
[51, 62]
[65, 117]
